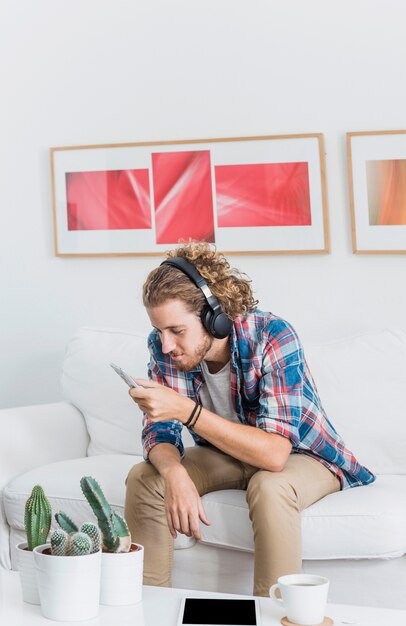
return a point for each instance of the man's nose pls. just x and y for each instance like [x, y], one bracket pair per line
[168, 344]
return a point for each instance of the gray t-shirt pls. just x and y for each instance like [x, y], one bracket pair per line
[215, 395]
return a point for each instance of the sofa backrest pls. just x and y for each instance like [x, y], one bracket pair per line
[113, 419]
[362, 385]
[361, 381]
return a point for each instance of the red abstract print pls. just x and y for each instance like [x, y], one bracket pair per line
[183, 196]
[108, 200]
[267, 194]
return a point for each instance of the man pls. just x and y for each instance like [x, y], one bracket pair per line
[238, 379]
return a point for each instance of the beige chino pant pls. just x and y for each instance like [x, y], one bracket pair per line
[275, 500]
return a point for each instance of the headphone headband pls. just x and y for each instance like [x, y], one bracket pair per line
[190, 271]
[213, 318]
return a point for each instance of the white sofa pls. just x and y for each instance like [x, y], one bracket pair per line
[356, 537]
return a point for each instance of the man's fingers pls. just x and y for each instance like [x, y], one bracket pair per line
[187, 524]
[171, 526]
[148, 384]
[143, 390]
[138, 393]
[175, 521]
[194, 528]
[202, 514]
[184, 524]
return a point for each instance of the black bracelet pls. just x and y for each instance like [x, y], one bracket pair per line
[197, 417]
[192, 414]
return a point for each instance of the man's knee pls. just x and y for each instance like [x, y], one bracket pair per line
[142, 476]
[270, 487]
[137, 472]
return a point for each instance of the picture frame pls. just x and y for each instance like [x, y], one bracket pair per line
[377, 183]
[247, 195]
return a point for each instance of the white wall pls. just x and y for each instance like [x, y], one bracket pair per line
[76, 72]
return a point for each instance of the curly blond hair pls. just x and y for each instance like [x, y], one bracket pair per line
[231, 288]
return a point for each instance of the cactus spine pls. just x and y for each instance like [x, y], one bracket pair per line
[37, 518]
[115, 534]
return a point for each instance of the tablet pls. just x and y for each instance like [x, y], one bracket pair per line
[219, 612]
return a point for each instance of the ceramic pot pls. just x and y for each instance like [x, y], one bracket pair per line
[121, 576]
[69, 586]
[28, 576]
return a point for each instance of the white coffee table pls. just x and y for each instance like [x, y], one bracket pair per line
[160, 607]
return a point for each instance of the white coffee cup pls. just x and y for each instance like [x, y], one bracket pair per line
[304, 597]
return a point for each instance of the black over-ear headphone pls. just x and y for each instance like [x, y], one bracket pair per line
[213, 318]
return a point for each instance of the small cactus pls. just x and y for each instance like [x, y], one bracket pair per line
[59, 542]
[115, 534]
[37, 518]
[80, 544]
[66, 523]
[94, 533]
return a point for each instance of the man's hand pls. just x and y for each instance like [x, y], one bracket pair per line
[161, 403]
[183, 504]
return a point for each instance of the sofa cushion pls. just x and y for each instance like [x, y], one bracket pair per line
[361, 522]
[362, 381]
[61, 483]
[113, 420]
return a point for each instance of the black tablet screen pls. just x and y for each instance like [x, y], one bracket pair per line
[227, 612]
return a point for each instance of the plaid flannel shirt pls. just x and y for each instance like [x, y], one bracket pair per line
[271, 388]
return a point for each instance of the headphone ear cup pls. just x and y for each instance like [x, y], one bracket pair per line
[206, 317]
[221, 325]
[217, 324]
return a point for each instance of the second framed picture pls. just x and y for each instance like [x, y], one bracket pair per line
[377, 175]
[246, 195]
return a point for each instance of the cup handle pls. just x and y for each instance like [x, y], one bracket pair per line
[272, 594]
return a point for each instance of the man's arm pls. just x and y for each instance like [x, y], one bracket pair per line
[164, 449]
[154, 433]
[182, 501]
[165, 457]
[246, 443]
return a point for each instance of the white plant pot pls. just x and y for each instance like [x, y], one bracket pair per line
[69, 586]
[28, 575]
[121, 576]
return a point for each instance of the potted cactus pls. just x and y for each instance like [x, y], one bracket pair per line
[37, 522]
[121, 560]
[68, 571]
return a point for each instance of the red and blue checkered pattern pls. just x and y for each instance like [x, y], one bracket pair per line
[271, 388]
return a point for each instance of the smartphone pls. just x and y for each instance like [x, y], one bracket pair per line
[219, 612]
[126, 377]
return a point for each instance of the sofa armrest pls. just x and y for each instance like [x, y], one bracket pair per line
[36, 435]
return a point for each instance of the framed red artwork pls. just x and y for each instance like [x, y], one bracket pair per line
[246, 195]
